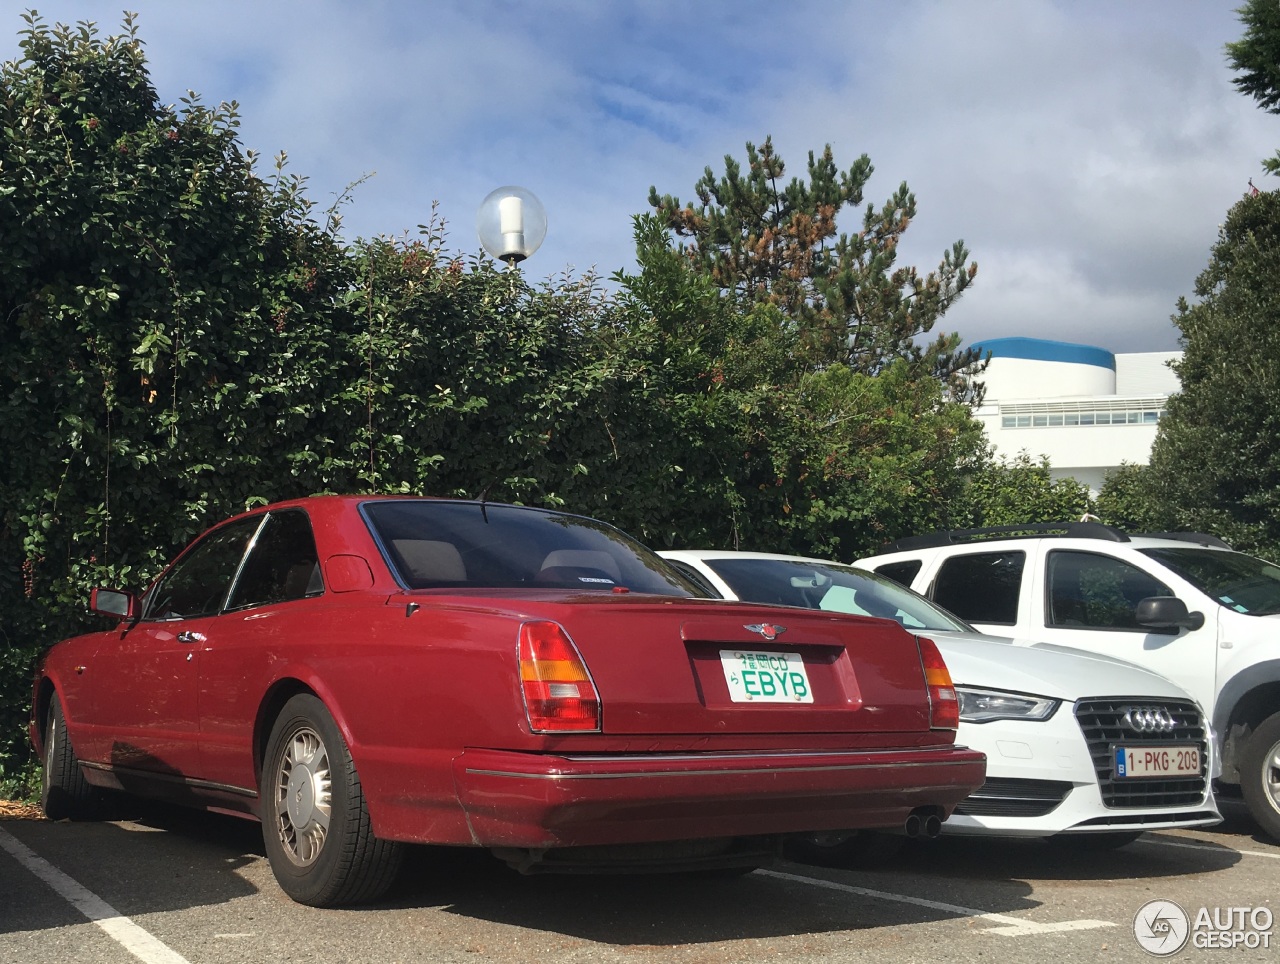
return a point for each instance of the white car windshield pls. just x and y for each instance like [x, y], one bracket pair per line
[833, 587]
[1237, 581]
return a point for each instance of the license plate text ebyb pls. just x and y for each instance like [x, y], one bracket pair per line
[755, 677]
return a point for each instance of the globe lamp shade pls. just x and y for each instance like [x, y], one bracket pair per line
[512, 223]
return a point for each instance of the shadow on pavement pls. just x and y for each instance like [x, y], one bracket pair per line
[1001, 858]
[159, 861]
[656, 909]
[1238, 824]
[986, 874]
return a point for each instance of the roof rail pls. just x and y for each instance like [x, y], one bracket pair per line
[1198, 538]
[1026, 530]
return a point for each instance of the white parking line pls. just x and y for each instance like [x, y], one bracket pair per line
[1010, 926]
[138, 942]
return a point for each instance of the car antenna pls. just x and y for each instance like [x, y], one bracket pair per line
[484, 494]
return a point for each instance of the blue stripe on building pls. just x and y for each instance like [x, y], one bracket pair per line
[1042, 349]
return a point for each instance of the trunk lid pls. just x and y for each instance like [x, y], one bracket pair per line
[683, 666]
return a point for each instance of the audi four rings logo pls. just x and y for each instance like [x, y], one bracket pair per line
[1149, 719]
[767, 630]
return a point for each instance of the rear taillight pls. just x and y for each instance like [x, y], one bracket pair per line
[944, 706]
[559, 695]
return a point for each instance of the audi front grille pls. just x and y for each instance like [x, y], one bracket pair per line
[1110, 723]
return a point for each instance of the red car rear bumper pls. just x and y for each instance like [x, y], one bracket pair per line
[533, 800]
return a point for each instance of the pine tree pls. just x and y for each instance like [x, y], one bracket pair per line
[768, 240]
[1257, 56]
[1216, 458]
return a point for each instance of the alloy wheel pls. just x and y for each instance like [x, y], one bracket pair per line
[304, 797]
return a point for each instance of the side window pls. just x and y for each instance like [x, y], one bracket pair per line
[902, 572]
[282, 564]
[1086, 590]
[981, 587]
[198, 583]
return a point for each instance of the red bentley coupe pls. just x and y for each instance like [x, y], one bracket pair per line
[360, 673]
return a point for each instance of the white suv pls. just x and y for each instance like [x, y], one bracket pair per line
[1180, 604]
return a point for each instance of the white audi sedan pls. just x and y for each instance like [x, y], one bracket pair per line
[1081, 748]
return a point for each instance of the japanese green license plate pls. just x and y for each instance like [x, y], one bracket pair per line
[756, 677]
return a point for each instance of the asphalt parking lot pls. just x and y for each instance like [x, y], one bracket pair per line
[196, 887]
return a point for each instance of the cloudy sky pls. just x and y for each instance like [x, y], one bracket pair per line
[1084, 150]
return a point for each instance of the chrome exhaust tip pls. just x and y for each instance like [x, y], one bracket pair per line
[924, 823]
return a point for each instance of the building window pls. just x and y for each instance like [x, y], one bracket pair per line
[1038, 417]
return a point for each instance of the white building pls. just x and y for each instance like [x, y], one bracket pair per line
[1085, 409]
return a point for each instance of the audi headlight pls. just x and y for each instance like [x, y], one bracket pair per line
[984, 706]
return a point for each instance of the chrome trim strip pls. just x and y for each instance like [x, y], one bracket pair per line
[747, 755]
[170, 778]
[634, 774]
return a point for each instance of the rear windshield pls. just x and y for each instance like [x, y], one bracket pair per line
[1239, 582]
[457, 545]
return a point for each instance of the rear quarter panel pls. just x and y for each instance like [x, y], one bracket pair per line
[409, 692]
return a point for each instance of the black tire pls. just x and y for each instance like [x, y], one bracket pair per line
[64, 792]
[1094, 843]
[1260, 776]
[849, 848]
[315, 821]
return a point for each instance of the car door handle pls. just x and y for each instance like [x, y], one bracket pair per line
[190, 636]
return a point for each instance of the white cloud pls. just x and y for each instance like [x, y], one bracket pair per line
[1084, 150]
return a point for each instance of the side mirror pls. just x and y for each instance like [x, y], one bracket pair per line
[1167, 612]
[113, 602]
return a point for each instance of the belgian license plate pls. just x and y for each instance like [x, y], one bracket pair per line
[1157, 761]
[765, 677]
